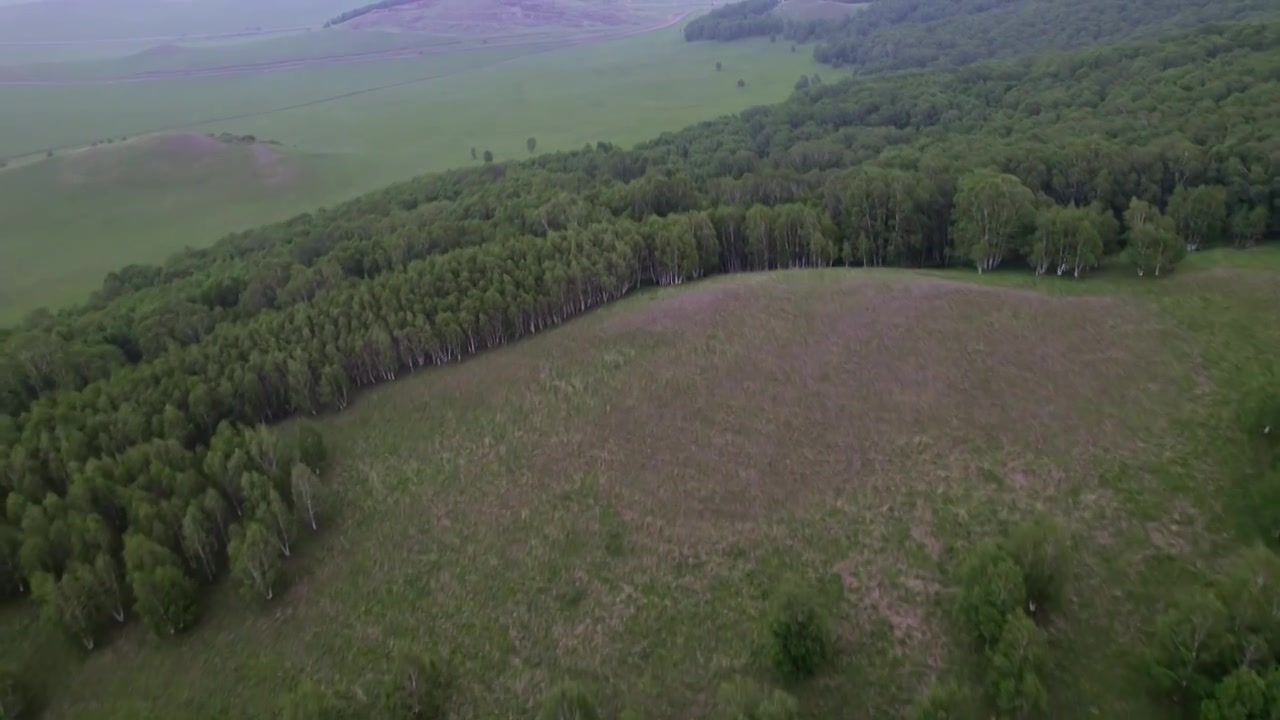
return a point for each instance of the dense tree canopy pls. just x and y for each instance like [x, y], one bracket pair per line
[130, 452]
[748, 18]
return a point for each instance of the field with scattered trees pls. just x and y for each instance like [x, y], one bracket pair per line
[949, 393]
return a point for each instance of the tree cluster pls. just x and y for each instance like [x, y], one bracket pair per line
[1218, 647]
[142, 525]
[905, 34]
[747, 18]
[1004, 590]
[364, 10]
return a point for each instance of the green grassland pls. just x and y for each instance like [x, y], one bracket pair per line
[394, 119]
[611, 501]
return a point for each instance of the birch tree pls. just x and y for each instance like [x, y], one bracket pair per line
[255, 560]
[71, 602]
[164, 597]
[303, 484]
[992, 214]
[1154, 246]
[106, 572]
[270, 509]
[1199, 214]
[199, 540]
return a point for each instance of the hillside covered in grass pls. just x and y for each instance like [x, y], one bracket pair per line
[131, 464]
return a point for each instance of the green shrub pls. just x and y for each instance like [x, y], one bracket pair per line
[568, 701]
[991, 587]
[309, 702]
[1248, 591]
[1017, 662]
[1040, 549]
[1244, 695]
[1191, 650]
[15, 700]
[944, 701]
[746, 700]
[421, 688]
[798, 635]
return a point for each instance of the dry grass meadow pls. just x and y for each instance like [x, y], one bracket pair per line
[611, 501]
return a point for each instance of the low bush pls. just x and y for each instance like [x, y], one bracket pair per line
[1040, 548]
[746, 700]
[1017, 664]
[421, 688]
[1244, 695]
[568, 701]
[1191, 647]
[991, 587]
[798, 635]
[944, 701]
[15, 698]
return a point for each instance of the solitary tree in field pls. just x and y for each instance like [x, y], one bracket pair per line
[473, 153]
[488, 156]
[793, 47]
[719, 66]
[532, 144]
[742, 83]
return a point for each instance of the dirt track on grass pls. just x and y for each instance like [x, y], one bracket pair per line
[533, 46]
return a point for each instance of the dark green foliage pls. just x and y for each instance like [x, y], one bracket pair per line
[944, 701]
[255, 560]
[421, 688]
[531, 144]
[165, 598]
[929, 33]
[1040, 548]
[15, 697]
[742, 83]
[488, 157]
[1154, 245]
[1244, 695]
[798, 636]
[364, 10]
[802, 84]
[746, 700]
[991, 589]
[747, 18]
[1250, 591]
[1017, 668]
[310, 447]
[309, 702]
[1191, 648]
[568, 701]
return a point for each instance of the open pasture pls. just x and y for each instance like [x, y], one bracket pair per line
[359, 126]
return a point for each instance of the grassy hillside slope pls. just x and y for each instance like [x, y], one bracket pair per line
[612, 500]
